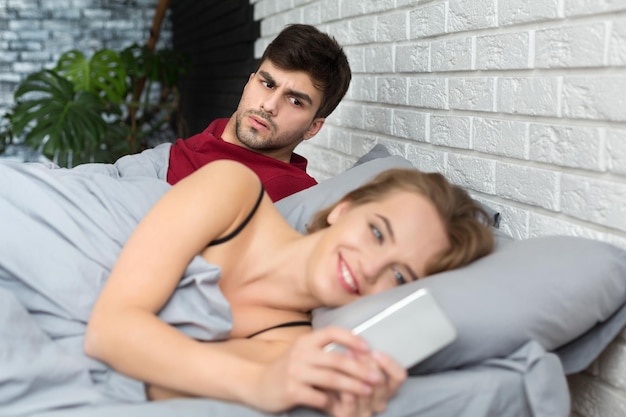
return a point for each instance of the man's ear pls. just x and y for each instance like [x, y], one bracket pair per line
[314, 128]
[249, 79]
[248, 82]
[340, 208]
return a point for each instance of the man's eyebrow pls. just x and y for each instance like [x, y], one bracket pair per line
[302, 96]
[387, 223]
[267, 77]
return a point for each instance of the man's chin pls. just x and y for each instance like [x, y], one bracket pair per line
[252, 140]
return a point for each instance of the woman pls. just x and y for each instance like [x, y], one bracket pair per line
[401, 227]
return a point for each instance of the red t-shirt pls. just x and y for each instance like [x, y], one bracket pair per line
[279, 178]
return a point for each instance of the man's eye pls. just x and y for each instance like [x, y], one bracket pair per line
[268, 84]
[400, 280]
[296, 102]
[377, 234]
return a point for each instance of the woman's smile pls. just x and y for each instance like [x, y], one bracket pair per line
[346, 279]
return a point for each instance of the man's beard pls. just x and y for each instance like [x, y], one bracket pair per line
[250, 137]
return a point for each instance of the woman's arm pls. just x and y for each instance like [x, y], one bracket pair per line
[123, 330]
[294, 368]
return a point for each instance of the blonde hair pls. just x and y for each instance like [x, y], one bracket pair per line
[466, 223]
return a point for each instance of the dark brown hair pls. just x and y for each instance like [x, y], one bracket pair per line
[465, 221]
[304, 48]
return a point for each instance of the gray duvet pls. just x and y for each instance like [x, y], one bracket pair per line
[60, 232]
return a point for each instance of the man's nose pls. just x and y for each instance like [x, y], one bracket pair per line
[270, 104]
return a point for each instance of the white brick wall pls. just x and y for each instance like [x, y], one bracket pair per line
[523, 102]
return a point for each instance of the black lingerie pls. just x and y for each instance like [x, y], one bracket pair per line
[243, 224]
[288, 324]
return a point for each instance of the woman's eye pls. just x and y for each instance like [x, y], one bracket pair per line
[399, 278]
[377, 234]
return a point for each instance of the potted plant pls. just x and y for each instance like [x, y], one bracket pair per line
[99, 108]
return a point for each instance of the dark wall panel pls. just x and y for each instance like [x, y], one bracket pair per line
[218, 36]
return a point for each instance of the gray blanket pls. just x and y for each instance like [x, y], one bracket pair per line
[60, 232]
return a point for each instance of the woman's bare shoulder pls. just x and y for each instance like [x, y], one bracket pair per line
[227, 169]
[224, 179]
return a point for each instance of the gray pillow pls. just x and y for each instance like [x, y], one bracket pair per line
[377, 152]
[300, 207]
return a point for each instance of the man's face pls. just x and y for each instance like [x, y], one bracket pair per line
[276, 112]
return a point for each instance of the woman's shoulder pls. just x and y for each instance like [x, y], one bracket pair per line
[227, 165]
[228, 190]
[228, 172]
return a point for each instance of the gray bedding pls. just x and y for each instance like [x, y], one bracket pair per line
[61, 231]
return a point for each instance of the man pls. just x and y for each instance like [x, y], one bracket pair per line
[302, 76]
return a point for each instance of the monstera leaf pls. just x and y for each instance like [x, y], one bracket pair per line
[53, 117]
[135, 59]
[104, 74]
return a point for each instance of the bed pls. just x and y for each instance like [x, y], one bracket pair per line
[527, 315]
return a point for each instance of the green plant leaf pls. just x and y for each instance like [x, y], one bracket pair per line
[81, 110]
[172, 65]
[104, 74]
[165, 66]
[134, 57]
[53, 117]
[74, 66]
[109, 74]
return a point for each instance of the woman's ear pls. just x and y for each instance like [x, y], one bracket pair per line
[340, 208]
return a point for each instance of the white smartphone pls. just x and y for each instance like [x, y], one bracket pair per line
[409, 330]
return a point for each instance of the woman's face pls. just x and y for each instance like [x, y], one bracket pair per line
[376, 246]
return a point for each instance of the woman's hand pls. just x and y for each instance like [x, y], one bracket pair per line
[392, 376]
[355, 383]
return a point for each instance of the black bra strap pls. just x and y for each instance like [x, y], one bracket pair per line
[243, 224]
[288, 324]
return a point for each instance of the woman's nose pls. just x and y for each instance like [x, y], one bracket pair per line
[374, 267]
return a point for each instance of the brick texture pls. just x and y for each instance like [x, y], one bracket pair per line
[521, 102]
